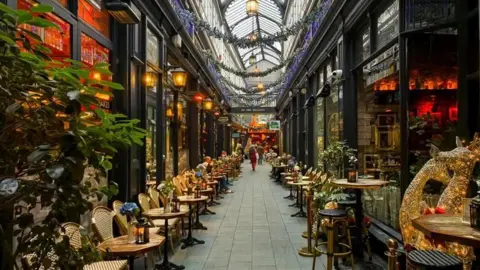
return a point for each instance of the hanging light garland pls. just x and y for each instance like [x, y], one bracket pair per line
[256, 72]
[317, 14]
[252, 90]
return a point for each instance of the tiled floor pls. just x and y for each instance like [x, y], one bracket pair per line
[252, 229]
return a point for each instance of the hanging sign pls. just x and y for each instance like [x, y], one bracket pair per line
[274, 125]
[223, 119]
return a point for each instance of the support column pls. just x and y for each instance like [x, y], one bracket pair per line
[202, 136]
[220, 139]
[301, 132]
[285, 130]
[160, 123]
[174, 125]
[210, 145]
[193, 141]
[228, 139]
[310, 123]
[350, 95]
[293, 128]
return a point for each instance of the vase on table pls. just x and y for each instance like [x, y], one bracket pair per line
[130, 229]
[168, 207]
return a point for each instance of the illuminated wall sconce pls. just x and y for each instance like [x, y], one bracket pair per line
[179, 77]
[150, 79]
[169, 112]
[208, 104]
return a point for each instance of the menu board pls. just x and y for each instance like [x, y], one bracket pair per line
[57, 40]
[93, 13]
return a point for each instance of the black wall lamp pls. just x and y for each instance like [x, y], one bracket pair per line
[122, 11]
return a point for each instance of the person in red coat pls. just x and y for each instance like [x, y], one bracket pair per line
[253, 157]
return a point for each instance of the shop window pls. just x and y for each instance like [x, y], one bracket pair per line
[420, 13]
[150, 140]
[362, 45]
[432, 101]
[379, 134]
[387, 25]
[94, 14]
[320, 121]
[57, 40]
[153, 51]
[92, 53]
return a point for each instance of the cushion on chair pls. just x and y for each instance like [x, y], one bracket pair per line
[333, 213]
[433, 259]
[107, 265]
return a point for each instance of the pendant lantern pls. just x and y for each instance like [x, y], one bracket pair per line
[252, 59]
[252, 7]
[260, 86]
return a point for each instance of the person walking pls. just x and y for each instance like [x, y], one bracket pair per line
[253, 157]
[261, 153]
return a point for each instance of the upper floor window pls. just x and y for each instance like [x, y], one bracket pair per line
[94, 14]
[387, 25]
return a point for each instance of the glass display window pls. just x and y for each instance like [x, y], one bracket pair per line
[320, 120]
[57, 40]
[153, 50]
[94, 14]
[150, 141]
[362, 45]
[432, 102]
[378, 112]
[387, 25]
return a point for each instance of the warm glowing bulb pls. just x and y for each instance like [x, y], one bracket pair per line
[97, 76]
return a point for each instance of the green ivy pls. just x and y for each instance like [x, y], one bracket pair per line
[47, 141]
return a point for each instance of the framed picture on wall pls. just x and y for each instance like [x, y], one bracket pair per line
[386, 119]
[385, 140]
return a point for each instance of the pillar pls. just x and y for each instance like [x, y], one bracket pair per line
[210, 132]
[310, 123]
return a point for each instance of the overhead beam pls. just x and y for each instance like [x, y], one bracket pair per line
[259, 14]
[258, 29]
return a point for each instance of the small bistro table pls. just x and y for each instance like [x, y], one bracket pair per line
[448, 228]
[190, 200]
[291, 196]
[277, 168]
[361, 184]
[216, 178]
[213, 185]
[120, 247]
[159, 213]
[299, 186]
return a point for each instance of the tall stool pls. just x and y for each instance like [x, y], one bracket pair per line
[336, 220]
[349, 207]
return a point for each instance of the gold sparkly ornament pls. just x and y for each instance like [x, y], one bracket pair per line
[461, 161]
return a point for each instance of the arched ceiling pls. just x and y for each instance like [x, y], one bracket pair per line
[268, 22]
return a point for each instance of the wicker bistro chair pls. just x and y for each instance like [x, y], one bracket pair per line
[72, 230]
[120, 220]
[156, 197]
[174, 230]
[102, 222]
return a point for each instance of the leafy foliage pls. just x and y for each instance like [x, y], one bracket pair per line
[51, 130]
[334, 156]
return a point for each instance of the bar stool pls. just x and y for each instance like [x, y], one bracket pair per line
[336, 220]
[432, 260]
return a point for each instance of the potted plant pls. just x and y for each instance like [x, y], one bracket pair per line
[352, 171]
[167, 187]
[52, 129]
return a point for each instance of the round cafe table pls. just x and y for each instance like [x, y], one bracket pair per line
[190, 200]
[216, 178]
[299, 186]
[120, 247]
[360, 185]
[159, 213]
[213, 184]
[291, 196]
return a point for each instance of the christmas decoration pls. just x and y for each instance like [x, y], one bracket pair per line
[317, 14]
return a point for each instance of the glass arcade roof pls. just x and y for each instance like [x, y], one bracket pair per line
[266, 23]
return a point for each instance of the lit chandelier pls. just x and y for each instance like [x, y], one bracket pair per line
[252, 7]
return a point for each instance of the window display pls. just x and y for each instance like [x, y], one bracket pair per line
[150, 141]
[94, 14]
[320, 122]
[379, 134]
[92, 53]
[57, 40]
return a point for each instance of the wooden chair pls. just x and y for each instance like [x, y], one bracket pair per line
[155, 198]
[72, 230]
[144, 201]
